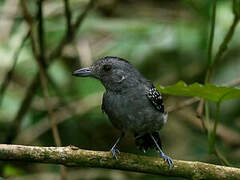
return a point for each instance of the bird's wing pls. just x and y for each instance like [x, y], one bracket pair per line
[155, 98]
[103, 107]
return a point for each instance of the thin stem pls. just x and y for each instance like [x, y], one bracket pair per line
[43, 78]
[211, 67]
[43, 74]
[216, 121]
[212, 32]
[213, 133]
[207, 116]
[222, 48]
[41, 33]
[68, 16]
[211, 38]
[221, 158]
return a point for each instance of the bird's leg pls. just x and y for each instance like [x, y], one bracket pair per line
[165, 157]
[114, 150]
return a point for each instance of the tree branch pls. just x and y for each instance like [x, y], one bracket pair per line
[73, 156]
[68, 16]
[43, 78]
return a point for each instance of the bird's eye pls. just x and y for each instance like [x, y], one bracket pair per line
[107, 67]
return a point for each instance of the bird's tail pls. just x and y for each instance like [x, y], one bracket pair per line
[145, 141]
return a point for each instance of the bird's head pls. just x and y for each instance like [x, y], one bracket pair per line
[114, 73]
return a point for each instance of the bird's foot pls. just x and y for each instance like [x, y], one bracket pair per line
[114, 152]
[168, 160]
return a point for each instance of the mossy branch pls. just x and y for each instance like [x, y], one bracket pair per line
[73, 156]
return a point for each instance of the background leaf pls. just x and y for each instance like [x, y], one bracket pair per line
[210, 92]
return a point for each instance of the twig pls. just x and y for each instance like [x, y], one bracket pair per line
[211, 38]
[221, 158]
[222, 48]
[41, 39]
[72, 156]
[68, 16]
[43, 78]
[41, 60]
[204, 103]
[43, 74]
[200, 114]
[224, 44]
[200, 108]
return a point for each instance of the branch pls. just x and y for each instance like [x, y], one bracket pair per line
[68, 16]
[73, 156]
[43, 76]
[222, 48]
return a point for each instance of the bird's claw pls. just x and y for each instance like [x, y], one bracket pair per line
[168, 160]
[114, 152]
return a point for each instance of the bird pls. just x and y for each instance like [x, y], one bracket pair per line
[131, 102]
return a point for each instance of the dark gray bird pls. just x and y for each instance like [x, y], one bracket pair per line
[131, 102]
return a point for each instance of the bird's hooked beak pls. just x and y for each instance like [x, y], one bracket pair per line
[84, 72]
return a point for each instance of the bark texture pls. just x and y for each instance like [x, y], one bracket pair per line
[73, 156]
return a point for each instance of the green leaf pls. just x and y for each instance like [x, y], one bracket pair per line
[210, 92]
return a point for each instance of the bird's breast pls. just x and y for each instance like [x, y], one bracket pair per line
[132, 112]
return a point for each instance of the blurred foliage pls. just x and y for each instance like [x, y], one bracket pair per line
[12, 171]
[166, 40]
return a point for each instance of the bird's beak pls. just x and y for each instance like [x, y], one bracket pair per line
[84, 72]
